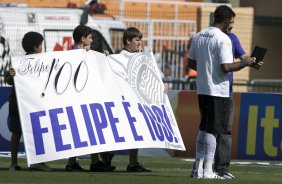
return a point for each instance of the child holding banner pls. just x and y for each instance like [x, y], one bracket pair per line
[32, 44]
[82, 36]
[132, 41]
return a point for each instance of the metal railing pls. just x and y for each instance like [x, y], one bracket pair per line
[265, 85]
[168, 39]
[256, 85]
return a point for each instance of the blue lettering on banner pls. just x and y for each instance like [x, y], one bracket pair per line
[131, 120]
[100, 120]
[141, 109]
[88, 124]
[158, 122]
[168, 124]
[74, 129]
[38, 131]
[156, 119]
[57, 128]
[160, 119]
[113, 122]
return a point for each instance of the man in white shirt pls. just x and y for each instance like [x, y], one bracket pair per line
[211, 55]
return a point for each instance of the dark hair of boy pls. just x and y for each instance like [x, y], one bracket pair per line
[131, 33]
[30, 41]
[222, 13]
[79, 32]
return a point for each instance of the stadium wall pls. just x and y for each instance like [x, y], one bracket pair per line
[256, 129]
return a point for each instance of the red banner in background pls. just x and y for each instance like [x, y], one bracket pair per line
[66, 44]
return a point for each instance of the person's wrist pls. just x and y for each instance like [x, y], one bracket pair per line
[244, 63]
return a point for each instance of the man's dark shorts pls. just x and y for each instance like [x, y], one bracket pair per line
[215, 112]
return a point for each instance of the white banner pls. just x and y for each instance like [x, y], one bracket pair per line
[76, 102]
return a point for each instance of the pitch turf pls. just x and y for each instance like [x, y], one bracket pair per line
[165, 171]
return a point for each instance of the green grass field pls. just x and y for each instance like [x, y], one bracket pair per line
[165, 171]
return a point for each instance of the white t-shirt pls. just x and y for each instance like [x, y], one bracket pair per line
[126, 52]
[211, 48]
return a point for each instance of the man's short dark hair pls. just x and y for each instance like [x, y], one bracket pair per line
[131, 33]
[81, 31]
[223, 12]
[30, 41]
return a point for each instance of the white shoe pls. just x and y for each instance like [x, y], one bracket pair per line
[212, 176]
[228, 175]
[40, 167]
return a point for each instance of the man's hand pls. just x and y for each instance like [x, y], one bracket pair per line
[106, 52]
[165, 89]
[250, 60]
[257, 65]
[254, 64]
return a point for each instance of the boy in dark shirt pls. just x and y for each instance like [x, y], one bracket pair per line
[32, 44]
[82, 36]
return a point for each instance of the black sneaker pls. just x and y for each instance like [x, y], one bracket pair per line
[193, 171]
[74, 168]
[137, 168]
[15, 168]
[107, 158]
[101, 167]
[226, 174]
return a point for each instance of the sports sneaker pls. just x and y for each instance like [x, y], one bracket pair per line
[74, 168]
[107, 158]
[15, 168]
[212, 176]
[137, 168]
[192, 173]
[40, 167]
[101, 167]
[226, 174]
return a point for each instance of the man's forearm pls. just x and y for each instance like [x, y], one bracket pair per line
[236, 66]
